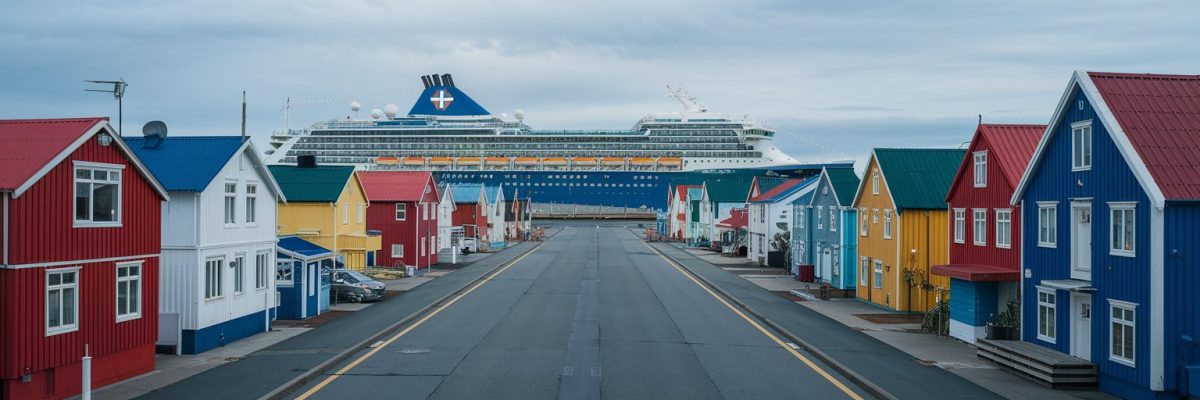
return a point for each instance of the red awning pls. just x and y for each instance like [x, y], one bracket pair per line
[976, 273]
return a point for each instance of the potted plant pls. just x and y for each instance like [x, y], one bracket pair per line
[1006, 325]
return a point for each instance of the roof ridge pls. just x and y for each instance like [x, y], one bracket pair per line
[1142, 75]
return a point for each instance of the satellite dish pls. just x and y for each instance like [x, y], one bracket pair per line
[520, 114]
[391, 110]
[376, 113]
[354, 106]
[155, 128]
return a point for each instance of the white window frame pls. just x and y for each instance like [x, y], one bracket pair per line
[214, 288]
[251, 204]
[239, 273]
[74, 286]
[401, 211]
[399, 246]
[878, 274]
[345, 213]
[874, 215]
[262, 277]
[887, 223]
[979, 226]
[875, 181]
[361, 212]
[820, 218]
[1047, 329]
[863, 227]
[864, 266]
[832, 219]
[230, 201]
[960, 225]
[1130, 323]
[1082, 146]
[979, 168]
[1125, 209]
[133, 282]
[1047, 224]
[1004, 236]
[90, 222]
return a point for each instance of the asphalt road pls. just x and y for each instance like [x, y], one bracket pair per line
[593, 313]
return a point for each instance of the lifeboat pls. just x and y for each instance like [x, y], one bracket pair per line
[670, 161]
[583, 161]
[614, 161]
[554, 161]
[641, 161]
[496, 161]
[414, 160]
[527, 160]
[469, 161]
[439, 160]
[387, 160]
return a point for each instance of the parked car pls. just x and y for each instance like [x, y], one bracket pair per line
[353, 286]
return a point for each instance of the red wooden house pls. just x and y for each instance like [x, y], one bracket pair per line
[985, 231]
[470, 213]
[79, 269]
[404, 207]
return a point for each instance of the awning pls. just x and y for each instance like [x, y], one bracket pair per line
[298, 248]
[1073, 285]
[976, 273]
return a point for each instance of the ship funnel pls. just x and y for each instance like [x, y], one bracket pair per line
[447, 80]
[425, 80]
[437, 80]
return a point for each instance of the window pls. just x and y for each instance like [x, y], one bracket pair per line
[424, 211]
[862, 226]
[261, 261]
[979, 226]
[832, 219]
[1047, 312]
[401, 211]
[284, 274]
[980, 169]
[97, 194]
[1121, 229]
[875, 182]
[1004, 228]
[960, 225]
[820, 218]
[887, 224]
[800, 217]
[1081, 146]
[1047, 224]
[251, 206]
[129, 291]
[239, 274]
[1122, 331]
[62, 300]
[874, 215]
[345, 213]
[862, 275]
[422, 250]
[397, 250]
[362, 210]
[878, 274]
[230, 203]
[212, 278]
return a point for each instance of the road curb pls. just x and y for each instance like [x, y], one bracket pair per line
[850, 374]
[306, 377]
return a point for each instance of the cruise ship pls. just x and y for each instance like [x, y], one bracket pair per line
[456, 138]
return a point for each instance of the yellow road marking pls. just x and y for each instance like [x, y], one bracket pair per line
[756, 325]
[436, 311]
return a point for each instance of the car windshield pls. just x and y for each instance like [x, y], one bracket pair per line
[357, 276]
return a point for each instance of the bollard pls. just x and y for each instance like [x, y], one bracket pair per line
[453, 255]
[87, 374]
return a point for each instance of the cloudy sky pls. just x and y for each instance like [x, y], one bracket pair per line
[834, 78]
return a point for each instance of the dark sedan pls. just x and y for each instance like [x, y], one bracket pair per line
[355, 287]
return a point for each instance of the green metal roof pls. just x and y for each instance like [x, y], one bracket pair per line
[919, 178]
[727, 191]
[844, 182]
[317, 184]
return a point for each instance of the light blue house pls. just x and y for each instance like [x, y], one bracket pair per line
[1111, 217]
[827, 236]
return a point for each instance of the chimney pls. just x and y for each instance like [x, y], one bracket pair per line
[306, 161]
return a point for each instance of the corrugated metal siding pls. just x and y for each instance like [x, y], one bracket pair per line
[826, 198]
[1181, 278]
[25, 344]
[850, 244]
[382, 216]
[1120, 278]
[924, 231]
[995, 196]
[179, 282]
[42, 217]
[239, 170]
[874, 246]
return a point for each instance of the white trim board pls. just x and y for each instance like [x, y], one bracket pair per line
[76, 262]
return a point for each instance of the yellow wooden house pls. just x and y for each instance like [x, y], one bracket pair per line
[903, 226]
[330, 210]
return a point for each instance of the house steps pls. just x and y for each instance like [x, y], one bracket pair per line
[1037, 363]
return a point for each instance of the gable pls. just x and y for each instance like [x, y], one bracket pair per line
[919, 178]
[316, 184]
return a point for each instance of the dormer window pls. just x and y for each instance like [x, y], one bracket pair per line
[1081, 146]
[980, 169]
[875, 182]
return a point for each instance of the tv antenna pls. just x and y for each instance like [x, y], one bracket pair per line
[118, 92]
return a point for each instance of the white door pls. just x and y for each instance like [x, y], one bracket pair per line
[826, 263]
[1081, 240]
[1081, 326]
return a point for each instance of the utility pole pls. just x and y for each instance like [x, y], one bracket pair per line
[118, 92]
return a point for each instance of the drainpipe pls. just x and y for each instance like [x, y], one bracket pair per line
[7, 195]
[333, 231]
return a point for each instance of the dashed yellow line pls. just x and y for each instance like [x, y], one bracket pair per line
[820, 371]
[397, 336]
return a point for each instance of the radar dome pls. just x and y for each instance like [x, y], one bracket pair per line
[354, 106]
[520, 114]
[376, 113]
[391, 110]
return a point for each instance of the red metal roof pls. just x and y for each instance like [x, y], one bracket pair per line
[786, 185]
[1012, 145]
[1160, 115]
[976, 273]
[738, 218]
[27, 145]
[389, 186]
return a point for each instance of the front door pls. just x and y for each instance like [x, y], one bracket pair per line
[1081, 240]
[826, 263]
[1081, 325]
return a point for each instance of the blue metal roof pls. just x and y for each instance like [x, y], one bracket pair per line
[454, 102]
[302, 247]
[804, 199]
[466, 192]
[492, 193]
[188, 163]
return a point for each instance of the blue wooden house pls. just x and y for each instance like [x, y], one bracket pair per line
[302, 278]
[827, 239]
[1111, 203]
